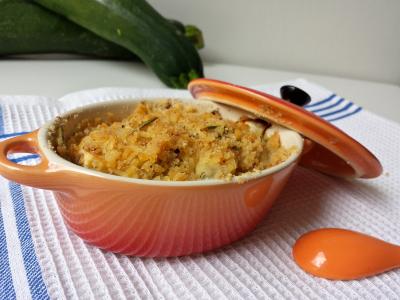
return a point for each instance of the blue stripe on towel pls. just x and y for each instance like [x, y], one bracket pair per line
[346, 115]
[348, 105]
[1, 121]
[344, 112]
[24, 158]
[32, 268]
[34, 275]
[6, 282]
[8, 135]
[320, 102]
[329, 106]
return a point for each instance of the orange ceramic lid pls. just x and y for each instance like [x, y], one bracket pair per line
[327, 148]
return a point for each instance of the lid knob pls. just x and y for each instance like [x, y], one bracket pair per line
[295, 95]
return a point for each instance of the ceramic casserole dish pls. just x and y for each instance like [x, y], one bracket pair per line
[155, 218]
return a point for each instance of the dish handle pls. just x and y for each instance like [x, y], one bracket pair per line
[36, 175]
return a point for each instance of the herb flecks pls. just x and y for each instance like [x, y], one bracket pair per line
[210, 127]
[147, 122]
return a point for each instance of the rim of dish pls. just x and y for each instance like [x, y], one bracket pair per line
[55, 158]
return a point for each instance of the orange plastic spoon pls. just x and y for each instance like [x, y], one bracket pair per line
[341, 254]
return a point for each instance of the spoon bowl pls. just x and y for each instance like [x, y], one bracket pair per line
[341, 254]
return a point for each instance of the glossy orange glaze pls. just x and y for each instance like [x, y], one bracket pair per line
[344, 254]
[167, 221]
[334, 152]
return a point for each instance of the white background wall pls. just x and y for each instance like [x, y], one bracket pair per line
[349, 38]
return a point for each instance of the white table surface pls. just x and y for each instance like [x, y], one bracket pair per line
[56, 77]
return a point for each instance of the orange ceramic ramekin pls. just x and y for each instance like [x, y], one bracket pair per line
[145, 217]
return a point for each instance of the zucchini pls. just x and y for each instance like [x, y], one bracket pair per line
[27, 28]
[135, 25]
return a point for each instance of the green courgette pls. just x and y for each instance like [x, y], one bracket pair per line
[27, 28]
[135, 25]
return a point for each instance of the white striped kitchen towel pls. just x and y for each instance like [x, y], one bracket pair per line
[40, 258]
